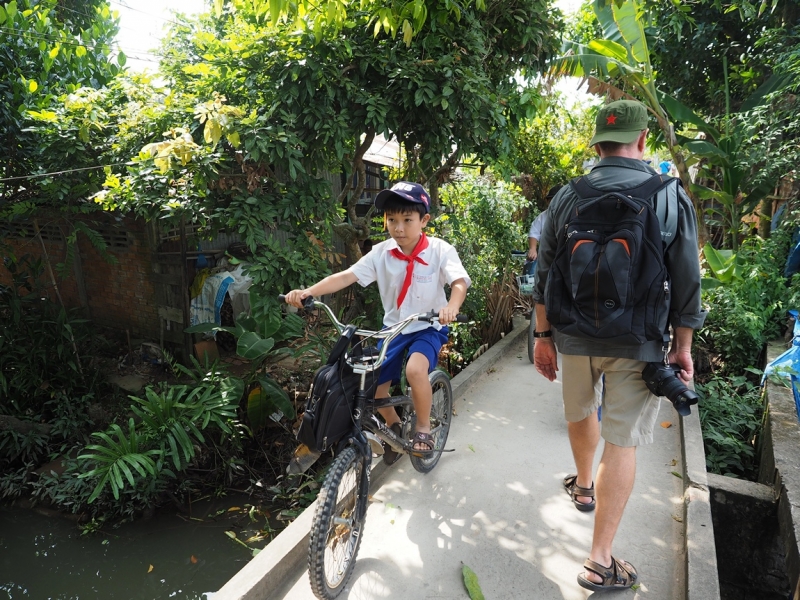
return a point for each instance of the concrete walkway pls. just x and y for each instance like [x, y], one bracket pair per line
[496, 504]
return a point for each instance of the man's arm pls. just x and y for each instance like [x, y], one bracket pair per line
[545, 357]
[681, 352]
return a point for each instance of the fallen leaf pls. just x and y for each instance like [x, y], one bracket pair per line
[470, 447]
[193, 559]
[231, 534]
[673, 462]
[678, 519]
[471, 583]
[234, 508]
[391, 522]
[678, 475]
[150, 570]
[666, 424]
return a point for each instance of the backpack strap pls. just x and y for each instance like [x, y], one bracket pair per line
[666, 211]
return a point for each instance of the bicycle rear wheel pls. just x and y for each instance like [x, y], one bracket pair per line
[338, 524]
[441, 415]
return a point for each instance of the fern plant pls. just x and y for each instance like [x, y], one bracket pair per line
[116, 460]
[171, 422]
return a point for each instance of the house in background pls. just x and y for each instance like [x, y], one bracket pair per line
[145, 295]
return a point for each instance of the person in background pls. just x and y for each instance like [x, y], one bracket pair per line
[538, 223]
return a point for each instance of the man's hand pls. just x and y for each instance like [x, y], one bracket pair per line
[684, 360]
[545, 357]
[532, 254]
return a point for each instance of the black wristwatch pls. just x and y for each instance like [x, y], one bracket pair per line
[541, 334]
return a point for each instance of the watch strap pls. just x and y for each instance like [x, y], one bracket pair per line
[542, 334]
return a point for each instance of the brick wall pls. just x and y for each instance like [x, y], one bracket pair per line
[120, 296]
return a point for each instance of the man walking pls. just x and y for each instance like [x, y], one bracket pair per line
[608, 371]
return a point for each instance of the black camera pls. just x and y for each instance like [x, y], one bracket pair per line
[663, 380]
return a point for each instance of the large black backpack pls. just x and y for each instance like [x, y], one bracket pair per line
[608, 280]
[328, 414]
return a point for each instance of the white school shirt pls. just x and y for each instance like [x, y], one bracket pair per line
[427, 282]
[538, 225]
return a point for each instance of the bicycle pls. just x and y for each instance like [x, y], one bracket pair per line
[342, 502]
[525, 283]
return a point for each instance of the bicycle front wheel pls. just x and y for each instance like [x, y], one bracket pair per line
[441, 415]
[338, 524]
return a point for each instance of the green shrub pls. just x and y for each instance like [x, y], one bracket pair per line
[730, 410]
[481, 219]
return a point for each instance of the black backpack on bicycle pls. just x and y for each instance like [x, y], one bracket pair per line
[328, 415]
[608, 280]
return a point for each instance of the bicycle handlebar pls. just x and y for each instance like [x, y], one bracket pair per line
[430, 317]
[387, 334]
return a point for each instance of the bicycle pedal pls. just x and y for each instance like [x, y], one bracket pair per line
[374, 443]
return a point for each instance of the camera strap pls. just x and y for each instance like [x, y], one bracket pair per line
[666, 348]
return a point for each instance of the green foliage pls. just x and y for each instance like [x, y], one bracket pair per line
[170, 424]
[731, 410]
[42, 347]
[550, 148]
[256, 338]
[482, 220]
[725, 265]
[48, 49]
[737, 183]
[747, 311]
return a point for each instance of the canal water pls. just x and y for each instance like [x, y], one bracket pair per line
[166, 557]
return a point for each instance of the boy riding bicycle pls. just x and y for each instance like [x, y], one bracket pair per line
[411, 270]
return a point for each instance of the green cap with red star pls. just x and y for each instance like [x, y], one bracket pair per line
[621, 121]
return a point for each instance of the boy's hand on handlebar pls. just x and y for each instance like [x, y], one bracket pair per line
[296, 297]
[448, 314]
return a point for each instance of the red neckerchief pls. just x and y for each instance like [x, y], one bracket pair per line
[414, 257]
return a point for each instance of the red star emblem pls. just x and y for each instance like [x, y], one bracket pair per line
[611, 120]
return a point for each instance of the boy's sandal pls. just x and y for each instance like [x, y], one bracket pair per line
[423, 438]
[574, 490]
[619, 576]
[390, 456]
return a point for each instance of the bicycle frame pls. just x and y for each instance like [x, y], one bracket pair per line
[364, 365]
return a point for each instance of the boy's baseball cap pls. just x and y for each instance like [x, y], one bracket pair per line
[621, 121]
[405, 190]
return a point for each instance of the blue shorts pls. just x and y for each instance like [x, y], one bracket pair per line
[427, 342]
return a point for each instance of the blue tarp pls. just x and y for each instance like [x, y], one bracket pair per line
[787, 365]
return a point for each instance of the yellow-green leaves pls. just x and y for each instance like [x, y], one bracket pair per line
[181, 147]
[219, 120]
[471, 583]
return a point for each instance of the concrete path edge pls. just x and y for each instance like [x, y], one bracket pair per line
[702, 580]
[265, 574]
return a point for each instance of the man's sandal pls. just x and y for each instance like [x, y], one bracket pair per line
[574, 490]
[619, 576]
[423, 438]
[390, 456]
